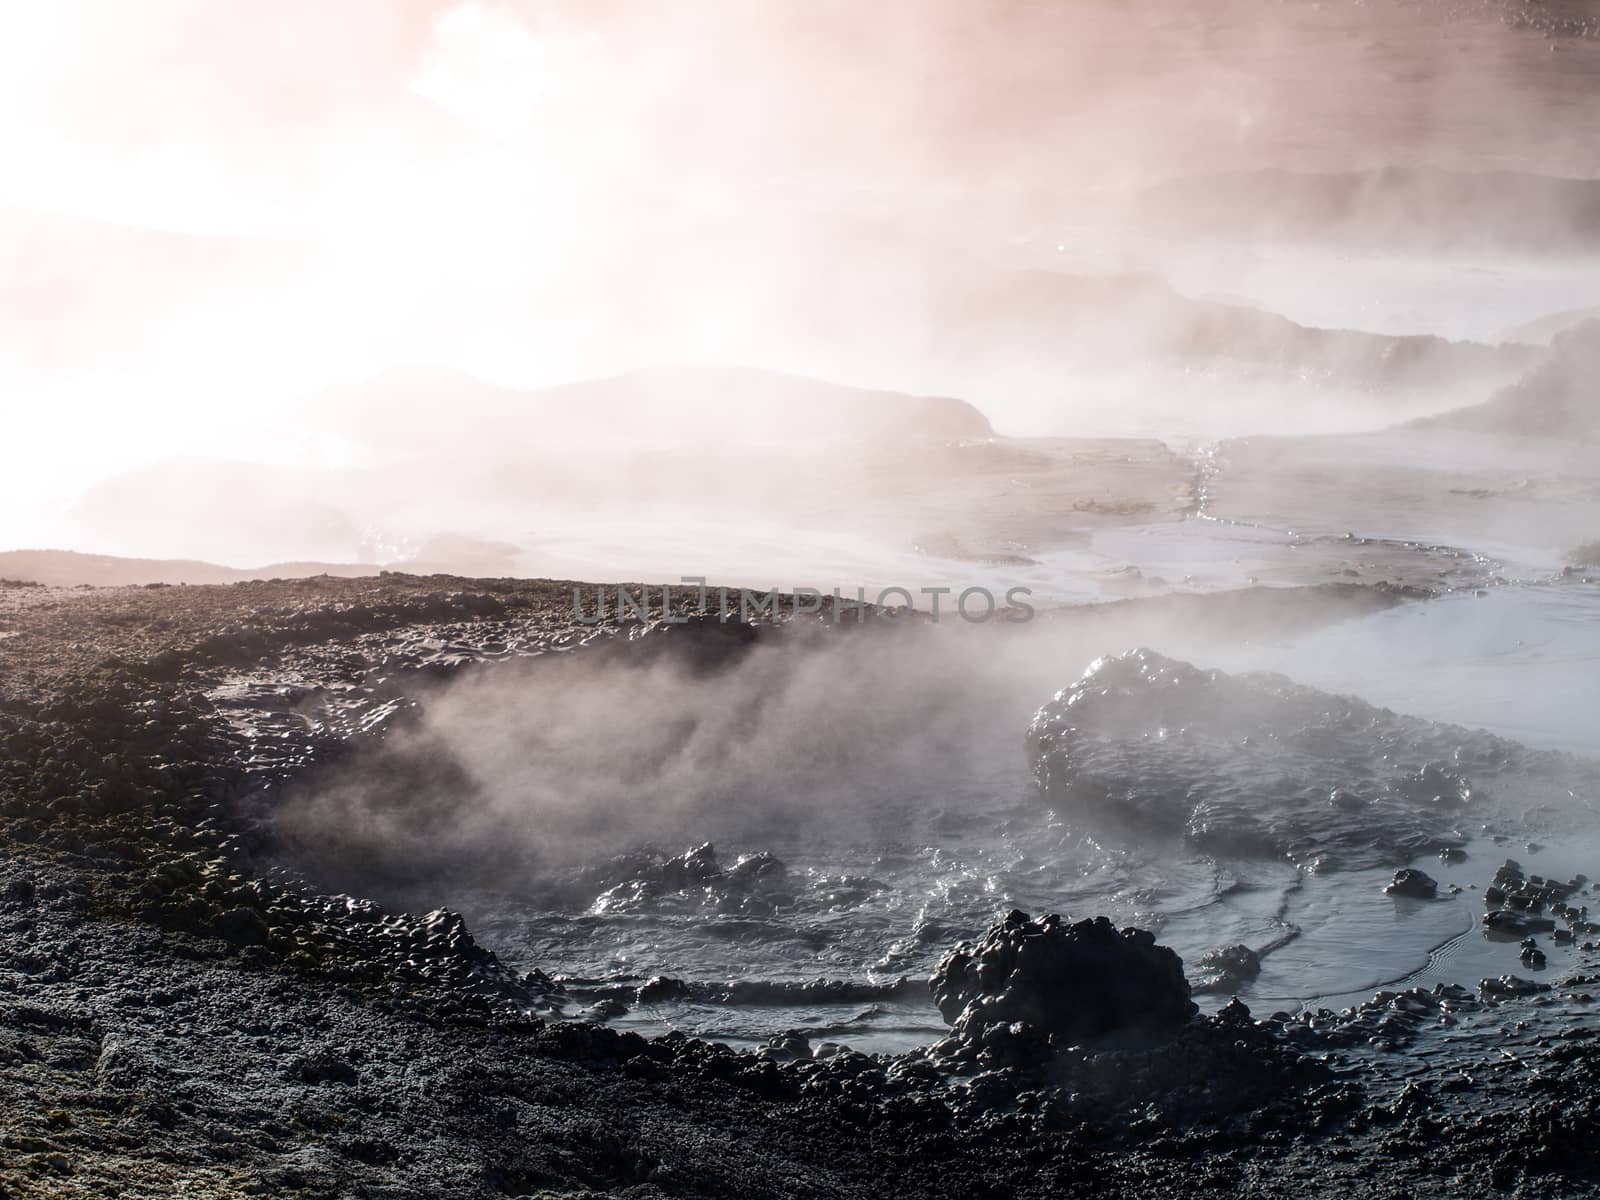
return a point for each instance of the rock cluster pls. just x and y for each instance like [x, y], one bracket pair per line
[1521, 905]
[1390, 1020]
[1081, 981]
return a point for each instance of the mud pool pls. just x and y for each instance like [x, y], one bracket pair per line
[805, 846]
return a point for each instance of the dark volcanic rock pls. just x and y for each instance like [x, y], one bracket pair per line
[242, 927]
[1083, 981]
[662, 987]
[1512, 923]
[1419, 885]
[1227, 968]
[1511, 985]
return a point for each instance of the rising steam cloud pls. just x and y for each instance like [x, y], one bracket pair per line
[527, 769]
[211, 216]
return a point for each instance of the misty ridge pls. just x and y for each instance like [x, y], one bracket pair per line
[1400, 209]
[882, 311]
[435, 454]
[449, 473]
[1554, 400]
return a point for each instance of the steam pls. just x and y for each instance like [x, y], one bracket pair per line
[528, 768]
[210, 224]
[517, 773]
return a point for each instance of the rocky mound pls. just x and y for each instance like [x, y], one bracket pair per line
[1257, 764]
[1082, 981]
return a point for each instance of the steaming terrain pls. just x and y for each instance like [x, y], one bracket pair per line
[812, 815]
[934, 600]
[275, 800]
[1285, 740]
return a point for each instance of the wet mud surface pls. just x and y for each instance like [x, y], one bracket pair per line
[183, 1011]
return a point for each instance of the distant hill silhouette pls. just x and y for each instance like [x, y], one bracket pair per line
[1543, 330]
[435, 409]
[1420, 208]
[68, 568]
[1560, 398]
[452, 554]
[1136, 318]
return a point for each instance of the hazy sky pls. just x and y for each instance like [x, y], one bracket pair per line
[209, 207]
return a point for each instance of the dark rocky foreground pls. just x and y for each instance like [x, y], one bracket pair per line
[181, 1016]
